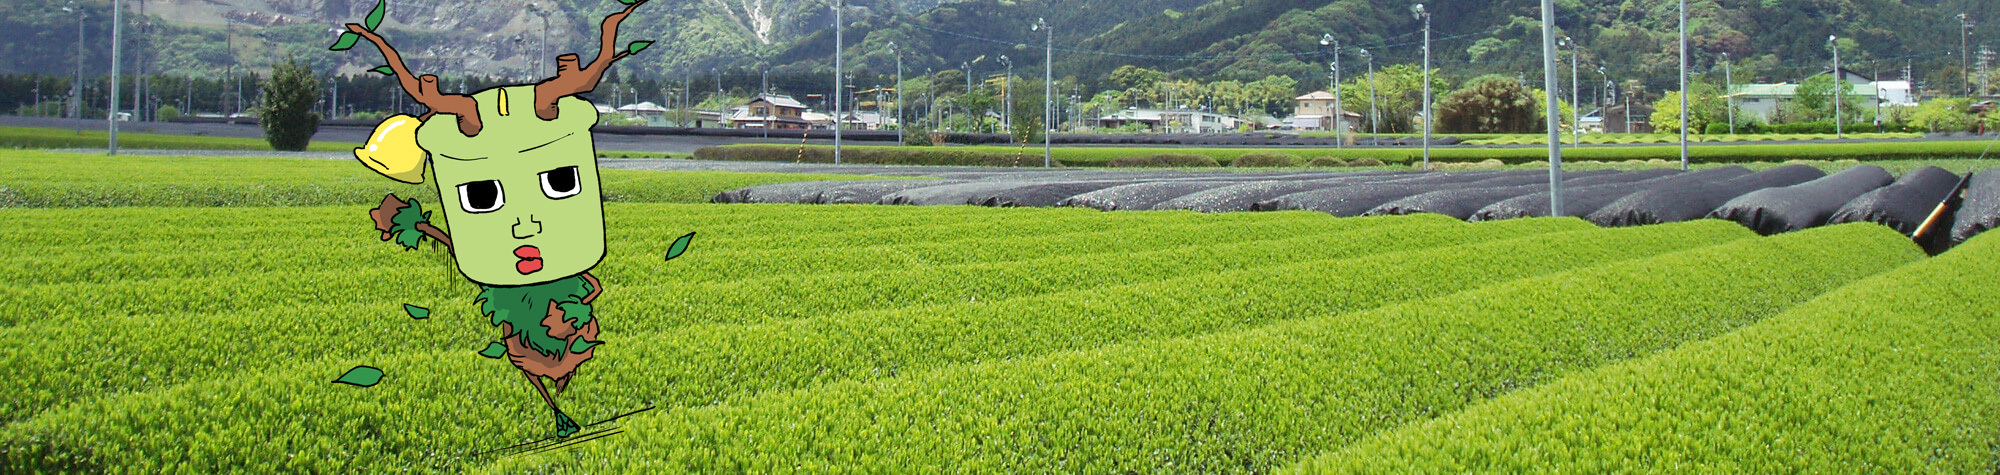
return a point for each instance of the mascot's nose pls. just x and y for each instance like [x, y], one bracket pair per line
[527, 229]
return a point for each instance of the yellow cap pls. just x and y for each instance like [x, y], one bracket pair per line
[392, 150]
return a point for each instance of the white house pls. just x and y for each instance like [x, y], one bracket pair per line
[1764, 100]
[1174, 121]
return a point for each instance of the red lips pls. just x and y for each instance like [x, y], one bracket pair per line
[531, 260]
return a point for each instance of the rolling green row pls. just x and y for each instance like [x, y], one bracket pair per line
[1704, 153]
[91, 365]
[629, 264]
[189, 242]
[97, 137]
[69, 180]
[1254, 400]
[723, 361]
[1893, 374]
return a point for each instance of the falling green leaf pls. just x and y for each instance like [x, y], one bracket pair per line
[345, 42]
[637, 46]
[580, 345]
[680, 246]
[384, 70]
[416, 312]
[494, 350]
[375, 16]
[363, 376]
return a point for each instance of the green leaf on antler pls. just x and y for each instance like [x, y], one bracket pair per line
[637, 46]
[627, 2]
[385, 70]
[347, 40]
[375, 16]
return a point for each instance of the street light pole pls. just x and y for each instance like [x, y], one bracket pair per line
[117, 35]
[1007, 97]
[334, 109]
[1550, 83]
[1577, 92]
[1728, 91]
[77, 86]
[1964, 49]
[839, 42]
[1339, 112]
[1048, 89]
[1374, 122]
[1418, 9]
[1839, 80]
[899, 92]
[1685, 103]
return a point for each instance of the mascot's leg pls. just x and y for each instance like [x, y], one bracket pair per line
[564, 425]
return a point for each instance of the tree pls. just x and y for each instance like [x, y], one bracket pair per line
[1399, 92]
[1944, 115]
[1490, 104]
[1709, 106]
[288, 115]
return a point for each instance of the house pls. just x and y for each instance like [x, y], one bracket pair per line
[1315, 112]
[1628, 119]
[771, 111]
[1762, 101]
[1592, 122]
[1174, 122]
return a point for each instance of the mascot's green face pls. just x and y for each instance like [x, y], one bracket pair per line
[521, 198]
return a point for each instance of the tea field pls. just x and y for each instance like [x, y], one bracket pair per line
[188, 314]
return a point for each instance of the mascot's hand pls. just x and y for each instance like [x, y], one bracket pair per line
[392, 150]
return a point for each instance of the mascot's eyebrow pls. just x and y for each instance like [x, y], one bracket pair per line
[558, 139]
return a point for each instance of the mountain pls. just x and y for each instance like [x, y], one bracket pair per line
[1207, 39]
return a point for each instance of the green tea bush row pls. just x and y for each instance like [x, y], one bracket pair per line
[631, 377]
[69, 180]
[1257, 399]
[43, 137]
[1889, 374]
[793, 295]
[788, 249]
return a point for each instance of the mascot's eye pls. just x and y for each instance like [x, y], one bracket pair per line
[560, 183]
[481, 196]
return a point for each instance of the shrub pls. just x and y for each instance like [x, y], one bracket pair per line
[287, 113]
[870, 155]
[917, 137]
[1365, 162]
[167, 113]
[1264, 160]
[1165, 160]
[1327, 162]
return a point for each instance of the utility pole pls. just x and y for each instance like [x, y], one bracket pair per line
[1729, 91]
[334, 104]
[1685, 103]
[1550, 83]
[76, 87]
[1839, 86]
[1339, 113]
[1374, 122]
[1985, 71]
[1418, 9]
[839, 42]
[1048, 91]
[1965, 49]
[117, 36]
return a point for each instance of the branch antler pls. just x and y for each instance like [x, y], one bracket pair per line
[425, 88]
[572, 80]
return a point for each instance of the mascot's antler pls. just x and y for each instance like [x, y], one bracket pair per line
[569, 79]
[425, 88]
